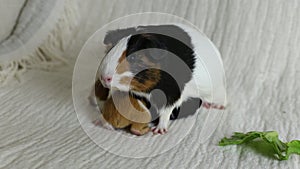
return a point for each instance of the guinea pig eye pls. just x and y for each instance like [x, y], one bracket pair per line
[132, 58]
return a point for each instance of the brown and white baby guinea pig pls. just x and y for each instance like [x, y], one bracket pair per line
[122, 110]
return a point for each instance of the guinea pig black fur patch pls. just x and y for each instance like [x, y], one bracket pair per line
[171, 72]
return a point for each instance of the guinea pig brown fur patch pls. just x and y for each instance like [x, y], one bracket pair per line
[143, 81]
[147, 81]
[130, 110]
[123, 64]
[100, 91]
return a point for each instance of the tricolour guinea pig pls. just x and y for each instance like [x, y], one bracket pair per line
[163, 63]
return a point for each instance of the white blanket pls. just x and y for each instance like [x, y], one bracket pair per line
[33, 34]
[8, 16]
[259, 42]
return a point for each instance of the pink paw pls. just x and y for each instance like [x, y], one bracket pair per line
[158, 130]
[136, 132]
[97, 122]
[212, 105]
[104, 124]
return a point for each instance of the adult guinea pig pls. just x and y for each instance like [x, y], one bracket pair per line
[163, 63]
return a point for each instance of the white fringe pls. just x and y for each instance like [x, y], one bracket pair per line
[49, 55]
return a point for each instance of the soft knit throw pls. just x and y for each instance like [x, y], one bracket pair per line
[34, 35]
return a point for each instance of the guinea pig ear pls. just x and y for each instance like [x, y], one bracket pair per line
[112, 37]
[155, 46]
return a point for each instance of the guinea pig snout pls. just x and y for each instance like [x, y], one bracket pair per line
[106, 80]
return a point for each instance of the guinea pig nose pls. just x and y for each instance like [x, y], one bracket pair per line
[107, 79]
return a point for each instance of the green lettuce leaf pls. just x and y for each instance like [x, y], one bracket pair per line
[282, 150]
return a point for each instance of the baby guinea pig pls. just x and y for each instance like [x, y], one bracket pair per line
[131, 107]
[134, 109]
[162, 63]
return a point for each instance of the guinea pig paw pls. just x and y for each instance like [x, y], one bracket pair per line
[97, 122]
[104, 124]
[212, 106]
[108, 126]
[159, 129]
[136, 132]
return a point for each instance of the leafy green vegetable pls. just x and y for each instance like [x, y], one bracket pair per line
[282, 150]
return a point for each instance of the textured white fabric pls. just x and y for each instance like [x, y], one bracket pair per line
[36, 18]
[39, 35]
[8, 16]
[259, 42]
